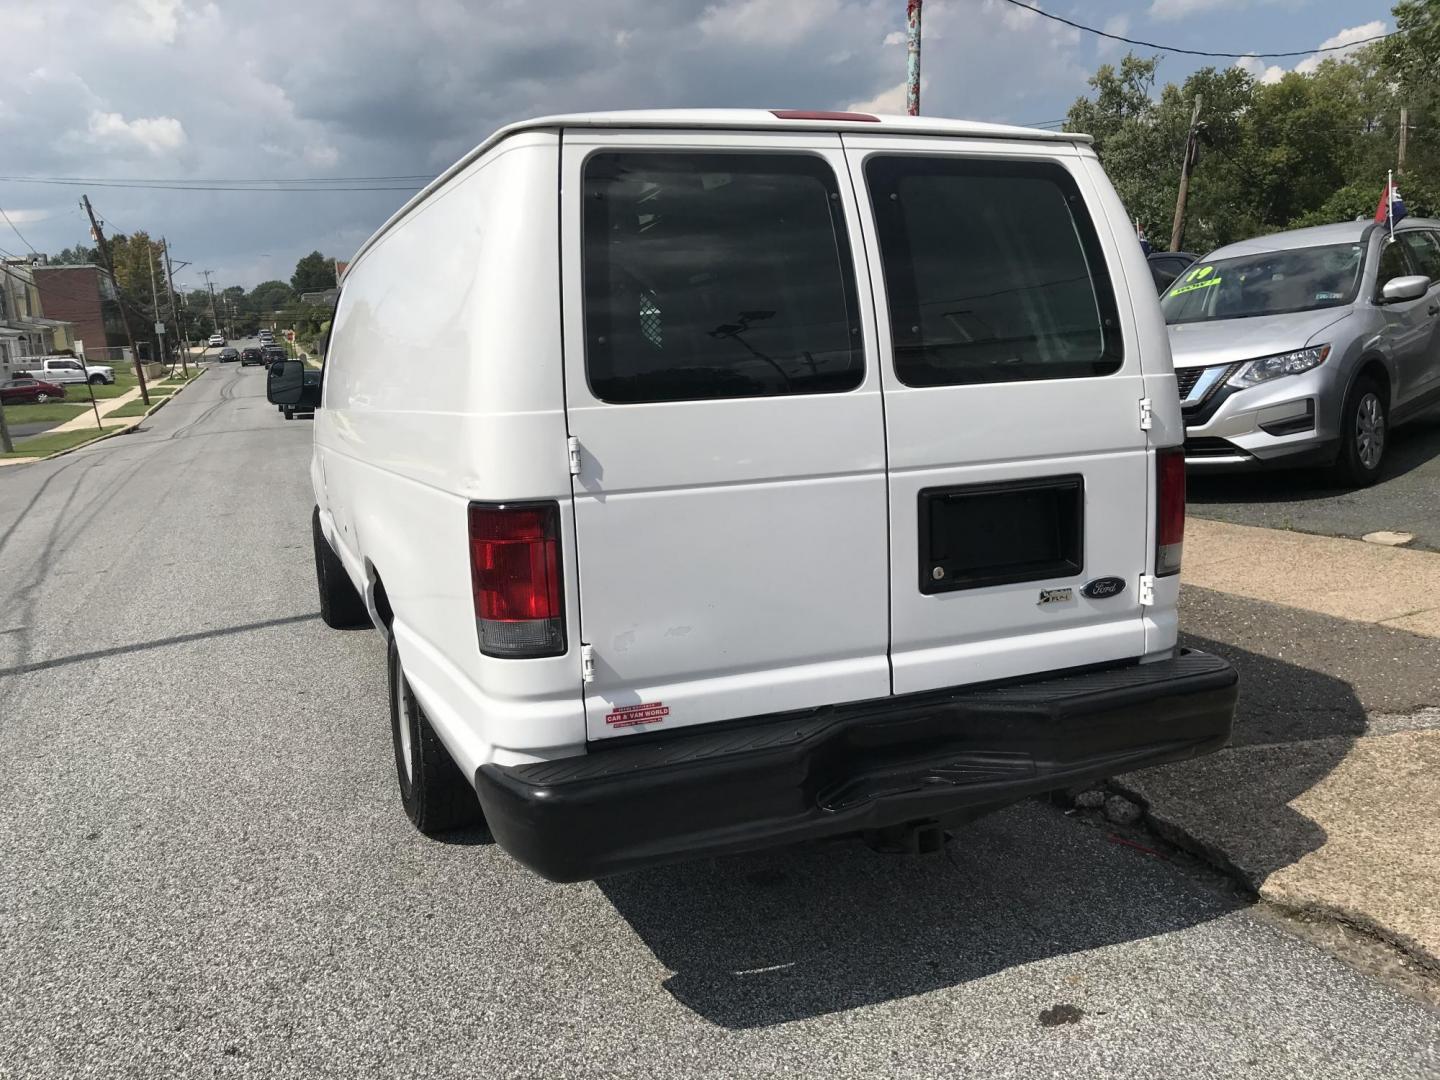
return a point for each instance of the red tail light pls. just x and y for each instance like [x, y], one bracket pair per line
[1170, 521]
[515, 576]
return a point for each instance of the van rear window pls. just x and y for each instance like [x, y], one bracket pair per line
[717, 276]
[993, 272]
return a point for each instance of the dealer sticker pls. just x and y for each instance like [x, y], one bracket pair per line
[634, 715]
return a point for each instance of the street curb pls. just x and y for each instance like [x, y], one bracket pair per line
[1174, 834]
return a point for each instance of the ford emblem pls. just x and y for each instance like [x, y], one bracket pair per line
[1102, 588]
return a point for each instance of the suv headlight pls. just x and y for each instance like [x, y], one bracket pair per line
[1254, 372]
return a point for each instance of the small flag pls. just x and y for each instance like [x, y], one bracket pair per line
[1391, 206]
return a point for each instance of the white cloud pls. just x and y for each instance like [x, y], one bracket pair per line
[762, 22]
[1350, 36]
[22, 216]
[154, 21]
[1181, 9]
[157, 134]
[1271, 73]
[895, 37]
[1116, 24]
[891, 100]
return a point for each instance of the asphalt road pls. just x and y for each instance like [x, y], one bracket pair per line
[205, 870]
[1405, 499]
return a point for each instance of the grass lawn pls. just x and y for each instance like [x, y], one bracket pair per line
[50, 443]
[58, 411]
[162, 391]
[132, 408]
[124, 382]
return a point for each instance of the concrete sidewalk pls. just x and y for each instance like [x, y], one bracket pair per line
[1327, 800]
[1350, 579]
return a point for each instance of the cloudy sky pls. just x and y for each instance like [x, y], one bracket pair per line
[232, 91]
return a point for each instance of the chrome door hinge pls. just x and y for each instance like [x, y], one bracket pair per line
[1147, 590]
[574, 445]
[1147, 417]
[587, 663]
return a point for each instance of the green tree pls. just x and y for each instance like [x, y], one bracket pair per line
[79, 255]
[313, 273]
[271, 296]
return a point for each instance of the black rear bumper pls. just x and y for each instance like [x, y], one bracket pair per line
[940, 755]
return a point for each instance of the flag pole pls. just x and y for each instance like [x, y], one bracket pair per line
[1390, 200]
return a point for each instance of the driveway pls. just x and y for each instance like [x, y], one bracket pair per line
[1406, 499]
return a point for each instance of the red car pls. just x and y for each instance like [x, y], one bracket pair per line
[23, 388]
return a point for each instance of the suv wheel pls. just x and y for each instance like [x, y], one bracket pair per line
[433, 790]
[1364, 435]
[97, 380]
[341, 606]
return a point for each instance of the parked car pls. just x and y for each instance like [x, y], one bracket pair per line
[273, 353]
[64, 369]
[250, 356]
[24, 388]
[711, 526]
[266, 336]
[1166, 266]
[1307, 347]
[217, 340]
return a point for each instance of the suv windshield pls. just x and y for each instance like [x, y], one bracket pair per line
[1270, 283]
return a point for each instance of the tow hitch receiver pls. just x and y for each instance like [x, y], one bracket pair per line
[908, 838]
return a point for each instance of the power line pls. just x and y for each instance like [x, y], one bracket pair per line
[1195, 52]
[17, 231]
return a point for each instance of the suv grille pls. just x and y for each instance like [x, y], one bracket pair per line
[1186, 378]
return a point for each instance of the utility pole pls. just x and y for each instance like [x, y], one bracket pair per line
[214, 319]
[1192, 151]
[174, 314]
[104, 246]
[912, 57]
[1404, 138]
[155, 302]
[6, 445]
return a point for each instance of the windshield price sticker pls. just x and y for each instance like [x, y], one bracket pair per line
[1199, 278]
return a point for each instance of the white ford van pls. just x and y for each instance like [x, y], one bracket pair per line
[770, 475]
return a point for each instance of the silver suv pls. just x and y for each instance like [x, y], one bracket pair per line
[1306, 347]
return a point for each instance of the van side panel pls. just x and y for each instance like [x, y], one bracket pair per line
[443, 386]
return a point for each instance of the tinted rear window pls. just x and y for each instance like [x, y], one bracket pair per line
[716, 276]
[993, 272]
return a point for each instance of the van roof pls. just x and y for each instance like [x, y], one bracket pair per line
[733, 120]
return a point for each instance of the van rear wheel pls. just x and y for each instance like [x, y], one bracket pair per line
[341, 606]
[436, 796]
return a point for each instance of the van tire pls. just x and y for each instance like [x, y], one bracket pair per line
[1364, 406]
[436, 796]
[341, 606]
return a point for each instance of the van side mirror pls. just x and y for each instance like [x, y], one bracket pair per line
[1408, 287]
[287, 385]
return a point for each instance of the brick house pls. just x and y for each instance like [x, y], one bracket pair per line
[85, 296]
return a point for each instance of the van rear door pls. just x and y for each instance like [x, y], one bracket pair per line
[727, 427]
[1019, 471]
